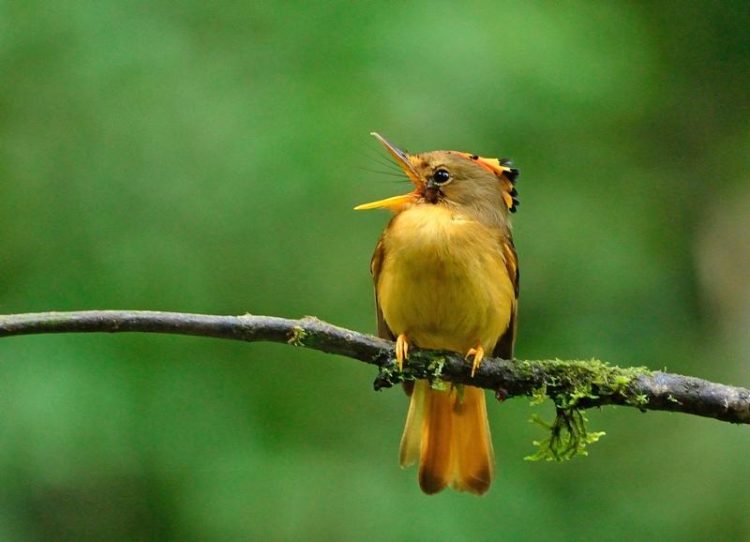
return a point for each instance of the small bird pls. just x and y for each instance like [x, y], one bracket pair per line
[445, 272]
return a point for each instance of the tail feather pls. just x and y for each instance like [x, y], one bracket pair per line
[472, 446]
[435, 462]
[412, 437]
[447, 431]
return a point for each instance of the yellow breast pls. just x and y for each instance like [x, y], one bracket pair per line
[443, 280]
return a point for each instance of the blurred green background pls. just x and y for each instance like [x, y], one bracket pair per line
[206, 157]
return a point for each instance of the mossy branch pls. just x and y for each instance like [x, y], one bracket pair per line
[572, 385]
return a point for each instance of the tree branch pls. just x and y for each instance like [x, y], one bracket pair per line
[570, 384]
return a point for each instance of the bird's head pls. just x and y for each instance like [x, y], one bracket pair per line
[451, 178]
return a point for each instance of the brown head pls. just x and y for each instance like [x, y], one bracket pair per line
[456, 179]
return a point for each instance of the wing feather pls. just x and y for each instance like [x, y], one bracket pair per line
[504, 347]
[376, 265]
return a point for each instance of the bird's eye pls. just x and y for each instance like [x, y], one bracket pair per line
[441, 176]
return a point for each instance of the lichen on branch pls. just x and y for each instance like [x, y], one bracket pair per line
[571, 385]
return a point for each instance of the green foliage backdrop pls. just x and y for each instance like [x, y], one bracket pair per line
[206, 157]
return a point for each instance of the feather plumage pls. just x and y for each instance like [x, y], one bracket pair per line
[445, 272]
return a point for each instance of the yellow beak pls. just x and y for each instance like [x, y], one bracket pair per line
[394, 203]
[402, 159]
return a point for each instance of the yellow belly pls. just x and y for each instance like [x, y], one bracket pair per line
[443, 281]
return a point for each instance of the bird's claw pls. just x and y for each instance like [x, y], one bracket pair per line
[402, 351]
[478, 354]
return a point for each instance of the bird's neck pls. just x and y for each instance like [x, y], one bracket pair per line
[481, 211]
[432, 226]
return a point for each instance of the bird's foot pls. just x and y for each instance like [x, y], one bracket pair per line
[478, 354]
[402, 351]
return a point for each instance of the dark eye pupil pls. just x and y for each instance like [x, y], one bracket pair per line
[441, 176]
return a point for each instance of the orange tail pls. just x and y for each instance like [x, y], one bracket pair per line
[447, 432]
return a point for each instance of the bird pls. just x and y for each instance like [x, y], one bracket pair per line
[445, 272]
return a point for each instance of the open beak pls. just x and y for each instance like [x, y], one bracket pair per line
[402, 159]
